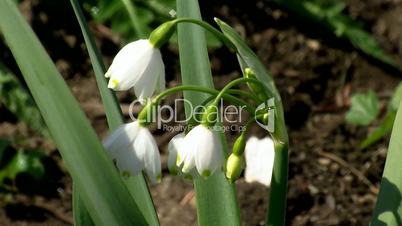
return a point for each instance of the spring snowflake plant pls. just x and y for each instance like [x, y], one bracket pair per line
[100, 194]
[198, 151]
[101, 197]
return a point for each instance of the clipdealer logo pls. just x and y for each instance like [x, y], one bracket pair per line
[164, 115]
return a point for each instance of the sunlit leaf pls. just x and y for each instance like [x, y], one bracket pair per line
[364, 109]
[24, 162]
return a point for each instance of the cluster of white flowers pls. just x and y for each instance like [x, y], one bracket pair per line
[132, 146]
[199, 152]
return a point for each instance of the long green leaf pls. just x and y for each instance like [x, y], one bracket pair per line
[216, 197]
[136, 185]
[248, 59]
[102, 190]
[80, 212]
[388, 210]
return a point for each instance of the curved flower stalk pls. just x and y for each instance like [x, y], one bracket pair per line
[133, 149]
[138, 64]
[202, 149]
[259, 155]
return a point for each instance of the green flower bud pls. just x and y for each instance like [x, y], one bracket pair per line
[210, 116]
[248, 73]
[234, 167]
[162, 34]
[239, 145]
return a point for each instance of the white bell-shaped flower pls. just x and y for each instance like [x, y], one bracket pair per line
[259, 154]
[138, 64]
[174, 149]
[202, 149]
[133, 149]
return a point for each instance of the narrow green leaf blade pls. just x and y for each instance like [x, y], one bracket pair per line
[103, 192]
[388, 210]
[136, 184]
[80, 212]
[216, 197]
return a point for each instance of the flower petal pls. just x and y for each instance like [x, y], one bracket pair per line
[208, 152]
[119, 146]
[150, 79]
[120, 138]
[129, 64]
[147, 148]
[259, 156]
[173, 148]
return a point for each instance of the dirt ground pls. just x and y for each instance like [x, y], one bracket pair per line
[331, 182]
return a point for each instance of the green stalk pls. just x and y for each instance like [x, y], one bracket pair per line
[279, 184]
[210, 91]
[248, 59]
[231, 84]
[244, 94]
[216, 197]
[209, 28]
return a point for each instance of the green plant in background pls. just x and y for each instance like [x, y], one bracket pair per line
[15, 98]
[135, 19]
[386, 125]
[132, 19]
[24, 162]
[329, 14]
[364, 110]
[18, 101]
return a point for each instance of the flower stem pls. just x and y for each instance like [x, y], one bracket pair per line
[245, 94]
[225, 96]
[230, 85]
[278, 193]
[209, 28]
[211, 109]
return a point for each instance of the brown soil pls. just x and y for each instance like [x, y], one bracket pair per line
[331, 182]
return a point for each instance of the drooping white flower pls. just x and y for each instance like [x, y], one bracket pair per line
[259, 154]
[133, 149]
[201, 148]
[174, 149]
[138, 65]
